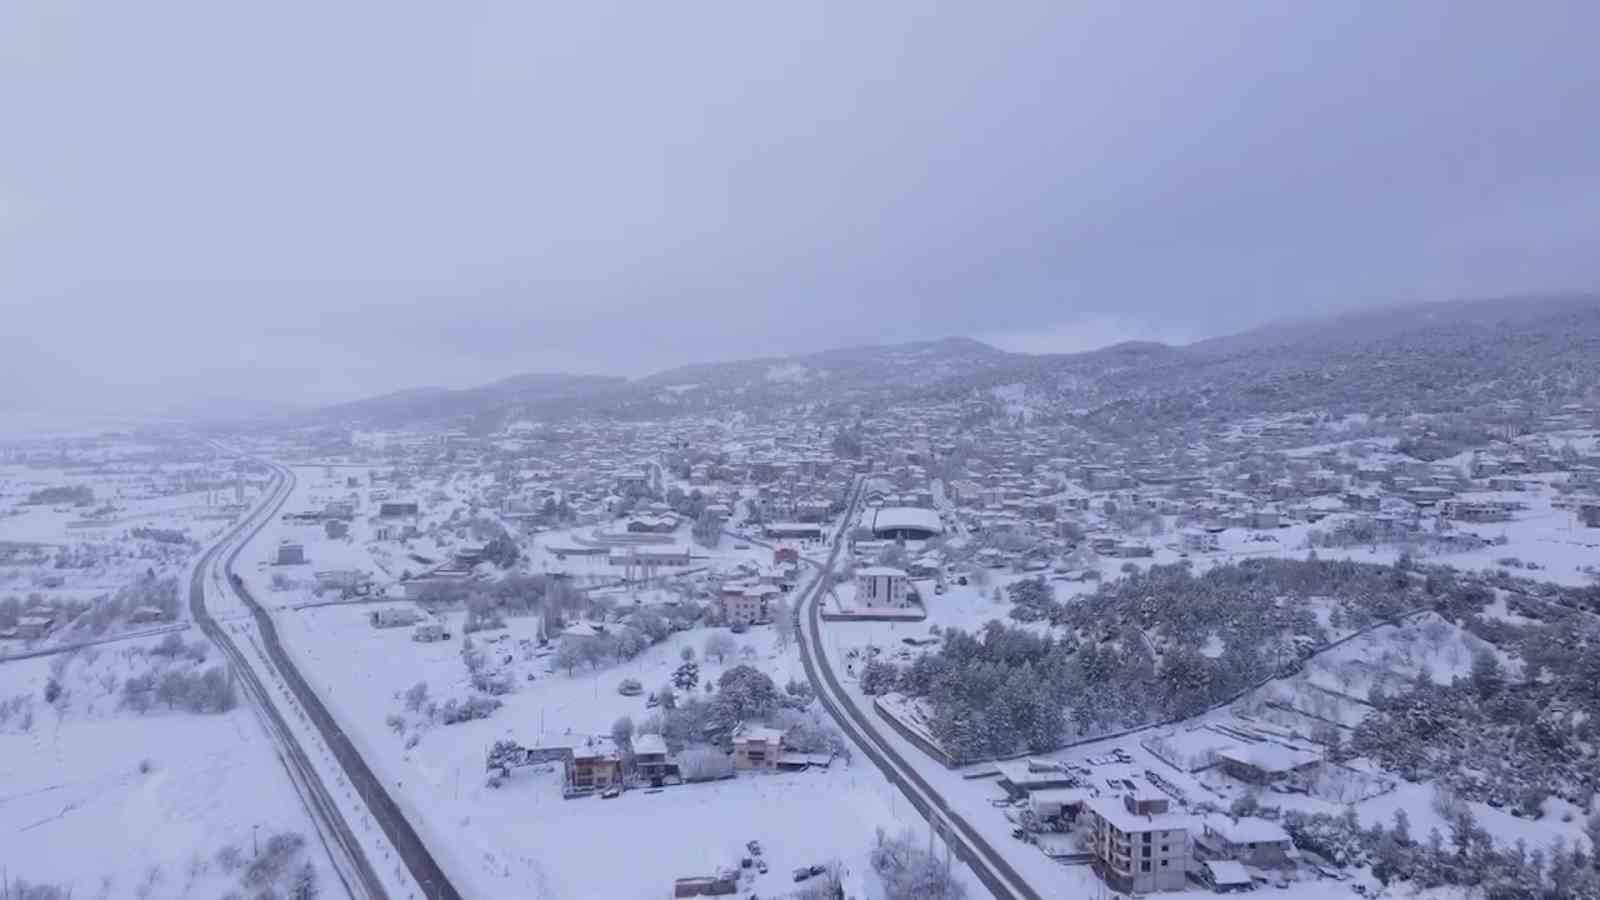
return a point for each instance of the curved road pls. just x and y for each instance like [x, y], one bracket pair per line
[998, 875]
[302, 772]
[424, 869]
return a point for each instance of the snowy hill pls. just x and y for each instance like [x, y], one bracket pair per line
[1395, 360]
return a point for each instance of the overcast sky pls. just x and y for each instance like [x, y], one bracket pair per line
[315, 201]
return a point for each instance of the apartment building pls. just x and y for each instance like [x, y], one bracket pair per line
[1140, 845]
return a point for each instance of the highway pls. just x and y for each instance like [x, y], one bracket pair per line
[424, 869]
[349, 860]
[987, 864]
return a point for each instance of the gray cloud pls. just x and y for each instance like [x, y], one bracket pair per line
[317, 201]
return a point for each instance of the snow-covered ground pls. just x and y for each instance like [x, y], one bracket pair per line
[107, 802]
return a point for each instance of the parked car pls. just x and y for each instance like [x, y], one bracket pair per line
[761, 866]
[802, 873]
[611, 793]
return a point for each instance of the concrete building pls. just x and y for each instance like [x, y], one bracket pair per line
[1267, 762]
[1199, 540]
[910, 523]
[881, 586]
[747, 604]
[290, 553]
[1139, 845]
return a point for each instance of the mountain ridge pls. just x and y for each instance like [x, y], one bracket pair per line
[1457, 344]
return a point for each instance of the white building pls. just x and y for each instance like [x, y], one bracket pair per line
[1199, 540]
[883, 586]
[909, 523]
[748, 603]
[1139, 845]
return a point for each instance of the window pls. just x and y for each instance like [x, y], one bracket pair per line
[1144, 866]
[1163, 864]
[1147, 853]
[1148, 836]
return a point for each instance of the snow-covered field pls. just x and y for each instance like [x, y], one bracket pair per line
[523, 837]
[106, 802]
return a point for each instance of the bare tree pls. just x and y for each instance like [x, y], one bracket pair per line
[720, 645]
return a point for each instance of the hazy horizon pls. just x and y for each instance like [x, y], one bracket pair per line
[205, 203]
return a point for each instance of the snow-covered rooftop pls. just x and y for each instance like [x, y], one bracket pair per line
[890, 518]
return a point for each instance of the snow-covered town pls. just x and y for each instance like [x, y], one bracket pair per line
[1315, 654]
[800, 451]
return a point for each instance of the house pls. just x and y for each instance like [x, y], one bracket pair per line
[744, 603]
[651, 762]
[339, 509]
[1267, 762]
[756, 747]
[397, 509]
[1224, 876]
[582, 632]
[1476, 510]
[418, 588]
[783, 555]
[1200, 540]
[880, 586]
[632, 479]
[594, 766]
[1263, 519]
[1059, 802]
[289, 553]
[335, 529]
[1363, 501]
[1251, 841]
[813, 510]
[394, 530]
[351, 581]
[1023, 778]
[1139, 845]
